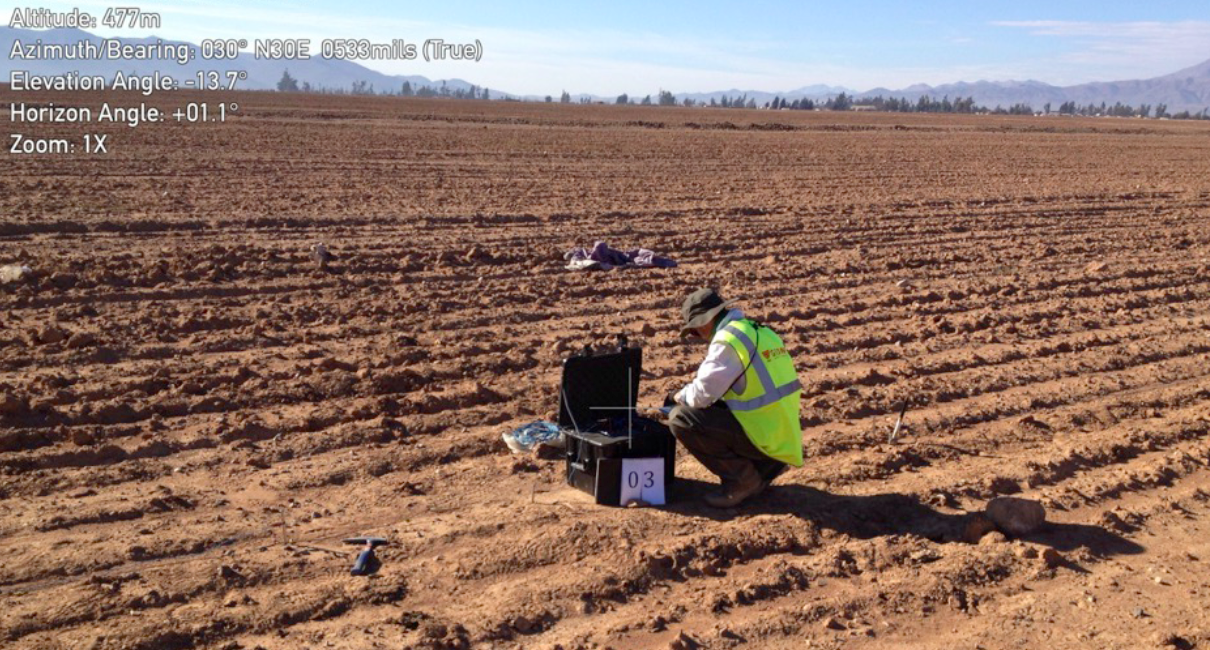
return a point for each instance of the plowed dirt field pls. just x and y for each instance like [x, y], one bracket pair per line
[193, 415]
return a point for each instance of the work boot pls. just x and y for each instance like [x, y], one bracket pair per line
[769, 472]
[734, 492]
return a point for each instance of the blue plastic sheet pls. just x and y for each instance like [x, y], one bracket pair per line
[524, 438]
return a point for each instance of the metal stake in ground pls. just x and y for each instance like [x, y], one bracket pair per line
[898, 422]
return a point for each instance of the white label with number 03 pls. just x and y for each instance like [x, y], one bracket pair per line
[643, 480]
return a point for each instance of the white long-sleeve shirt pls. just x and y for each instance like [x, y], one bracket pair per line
[720, 369]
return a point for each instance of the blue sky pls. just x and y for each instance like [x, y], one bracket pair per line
[639, 46]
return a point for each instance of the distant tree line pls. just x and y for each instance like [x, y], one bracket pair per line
[288, 83]
[779, 104]
[841, 102]
[1119, 109]
[925, 104]
[474, 92]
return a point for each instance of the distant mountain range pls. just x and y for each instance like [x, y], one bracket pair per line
[1187, 89]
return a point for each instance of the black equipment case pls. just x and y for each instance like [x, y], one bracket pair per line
[596, 407]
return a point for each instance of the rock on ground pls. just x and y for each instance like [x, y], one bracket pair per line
[1016, 516]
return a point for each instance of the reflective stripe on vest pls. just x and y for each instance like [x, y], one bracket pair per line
[771, 393]
[768, 413]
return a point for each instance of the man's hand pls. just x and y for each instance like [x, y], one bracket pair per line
[670, 400]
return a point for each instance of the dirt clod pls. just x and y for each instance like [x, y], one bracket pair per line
[1025, 551]
[683, 642]
[523, 465]
[434, 630]
[13, 405]
[47, 335]
[230, 574]
[993, 538]
[81, 340]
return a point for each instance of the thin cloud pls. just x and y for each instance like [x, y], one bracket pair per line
[1136, 30]
[1106, 51]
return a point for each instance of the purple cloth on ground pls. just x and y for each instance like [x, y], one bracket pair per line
[610, 258]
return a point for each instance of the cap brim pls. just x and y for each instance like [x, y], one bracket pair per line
[704, 318]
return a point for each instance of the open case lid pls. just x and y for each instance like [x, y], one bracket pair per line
[592, 382]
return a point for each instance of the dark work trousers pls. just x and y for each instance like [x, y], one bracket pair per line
[717, 440]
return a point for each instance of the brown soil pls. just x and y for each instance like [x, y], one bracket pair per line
[193, 414]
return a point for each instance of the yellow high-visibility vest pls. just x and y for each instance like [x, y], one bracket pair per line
[768, 407]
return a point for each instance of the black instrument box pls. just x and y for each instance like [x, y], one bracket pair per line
[596, 407]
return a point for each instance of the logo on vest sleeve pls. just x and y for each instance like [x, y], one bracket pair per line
[775, 353]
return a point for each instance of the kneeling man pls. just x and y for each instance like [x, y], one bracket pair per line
[739, 415]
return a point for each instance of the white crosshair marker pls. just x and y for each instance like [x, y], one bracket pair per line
[629, 409]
